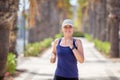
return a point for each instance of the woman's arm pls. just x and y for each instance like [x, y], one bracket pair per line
[79, 54]
[53, 57]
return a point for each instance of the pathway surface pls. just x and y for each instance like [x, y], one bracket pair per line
[95, 67]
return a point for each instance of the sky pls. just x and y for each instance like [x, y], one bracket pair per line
[21, 5]
[73, 2]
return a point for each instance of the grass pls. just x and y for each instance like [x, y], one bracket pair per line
[89, 37]
[102, 46]
[34, 49]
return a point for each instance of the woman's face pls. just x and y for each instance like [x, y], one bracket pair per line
[67, 30]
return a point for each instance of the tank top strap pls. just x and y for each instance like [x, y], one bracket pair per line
[74, 40]
[59, 41]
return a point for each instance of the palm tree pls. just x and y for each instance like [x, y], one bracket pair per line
[96, 10]
[8, 9]
[12, 37]
[51, 12]
[114, 16]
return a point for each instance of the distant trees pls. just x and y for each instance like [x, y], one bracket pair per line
[101, 20]
[49, 18]
[96, 19]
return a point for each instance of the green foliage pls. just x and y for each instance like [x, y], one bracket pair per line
[78, 34]
[82, 3]
[33, 49]
[11, 63]
[80, 8]
[102, 46]
[58, 35]
[89, 37]
[46, 43]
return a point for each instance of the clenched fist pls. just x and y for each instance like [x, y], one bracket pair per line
[70, 43]
[53, 58]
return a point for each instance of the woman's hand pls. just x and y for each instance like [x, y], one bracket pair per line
[53, 58]
[70, 43]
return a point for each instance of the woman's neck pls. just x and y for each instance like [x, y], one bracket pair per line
[67, 38]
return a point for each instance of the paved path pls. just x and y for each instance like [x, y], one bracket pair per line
[95, 67]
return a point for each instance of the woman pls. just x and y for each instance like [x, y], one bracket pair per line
[69, 51]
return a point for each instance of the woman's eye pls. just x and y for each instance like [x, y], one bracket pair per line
[67, 27]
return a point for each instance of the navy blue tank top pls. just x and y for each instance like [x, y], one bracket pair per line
[67, 63]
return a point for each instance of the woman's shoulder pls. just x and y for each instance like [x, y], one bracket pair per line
[77, 40]
[56, 40]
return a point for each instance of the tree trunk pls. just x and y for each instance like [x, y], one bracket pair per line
[97, 18]
[94, 20]
[4, 46]
[114, 38]
[47, 24]
[108, 29]
[101, 19]
[8, 8]
[13, 37]
[114, 18]
[39, 31]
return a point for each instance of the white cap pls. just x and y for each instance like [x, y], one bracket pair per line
[67, 22]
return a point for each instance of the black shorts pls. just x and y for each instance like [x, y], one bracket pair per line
[63, 78]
